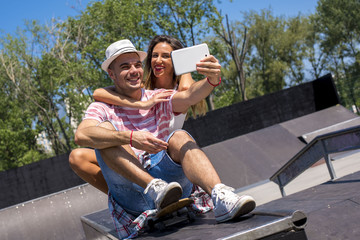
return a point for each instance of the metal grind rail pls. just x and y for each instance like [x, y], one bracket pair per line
[320, 147]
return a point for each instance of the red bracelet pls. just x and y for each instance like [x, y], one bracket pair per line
[131, 138]
[214, 85]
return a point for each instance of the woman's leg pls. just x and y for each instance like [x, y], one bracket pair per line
[84, 164]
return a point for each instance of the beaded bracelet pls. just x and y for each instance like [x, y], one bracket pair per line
[214, 85]
[131, 138]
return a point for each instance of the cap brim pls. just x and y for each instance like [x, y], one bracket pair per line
[107, 62]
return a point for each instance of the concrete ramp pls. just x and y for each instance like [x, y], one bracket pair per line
[254, 157]
[56, 216]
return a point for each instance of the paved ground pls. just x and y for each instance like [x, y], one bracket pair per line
[65, 208]
[332, 207]
[311, 193]
[344, 164]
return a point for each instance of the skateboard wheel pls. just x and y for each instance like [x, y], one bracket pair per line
[191, 216]
[150, 225]
[160, 226]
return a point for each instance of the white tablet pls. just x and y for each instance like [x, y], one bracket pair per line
[185, 59]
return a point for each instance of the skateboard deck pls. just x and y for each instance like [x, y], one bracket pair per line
[185, 202]
[173, 214]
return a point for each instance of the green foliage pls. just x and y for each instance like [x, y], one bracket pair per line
[17, 138]
[186, 20]
[337, 22]
[267, 69]
[278, 50]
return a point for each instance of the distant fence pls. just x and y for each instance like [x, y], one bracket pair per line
[36, 180]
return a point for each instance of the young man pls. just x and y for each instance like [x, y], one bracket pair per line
[144, 165]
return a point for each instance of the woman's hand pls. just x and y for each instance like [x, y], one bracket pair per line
[210, 67]
[157, 98]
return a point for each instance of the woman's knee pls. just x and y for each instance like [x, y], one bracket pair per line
[78, 157]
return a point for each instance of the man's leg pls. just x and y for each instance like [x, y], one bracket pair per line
[199, 170]
[123, 161]
[196, 165]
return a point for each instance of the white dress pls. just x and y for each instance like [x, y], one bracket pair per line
[177, 121]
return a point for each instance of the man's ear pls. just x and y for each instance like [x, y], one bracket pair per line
[111, 74]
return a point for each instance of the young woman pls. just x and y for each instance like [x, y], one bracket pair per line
[159, 73]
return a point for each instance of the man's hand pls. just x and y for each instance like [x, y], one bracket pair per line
[157, 98]
[147, 142]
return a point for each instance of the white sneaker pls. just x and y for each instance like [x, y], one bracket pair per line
[163, 193]
[228, 205]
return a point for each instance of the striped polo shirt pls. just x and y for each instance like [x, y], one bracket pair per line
[155, 120]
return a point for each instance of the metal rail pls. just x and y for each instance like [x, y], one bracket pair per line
[320, 147]
[287, 221]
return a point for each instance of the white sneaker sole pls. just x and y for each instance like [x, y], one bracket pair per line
[245, 205]
[173, 194]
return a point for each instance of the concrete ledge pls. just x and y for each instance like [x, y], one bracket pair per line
[99, 226]
[259, 225]
[308, 137]
[268, 191]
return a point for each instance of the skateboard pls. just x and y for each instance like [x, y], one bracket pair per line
[175, 213]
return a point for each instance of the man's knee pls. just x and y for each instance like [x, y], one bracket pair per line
[179, 143]
[180, 136]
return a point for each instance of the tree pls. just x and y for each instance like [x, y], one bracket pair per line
[316, 57]
[293, 48]
[238, 56]
[278, 51]
[107, 21]
[338, 24]
[267, 70]
[17, 136]
[37, 66]
[189, 21]
[185, 19]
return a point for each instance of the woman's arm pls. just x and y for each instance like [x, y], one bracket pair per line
[208, 66]
[185, 82]
[109, 95]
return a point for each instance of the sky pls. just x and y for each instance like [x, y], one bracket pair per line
[14, 12]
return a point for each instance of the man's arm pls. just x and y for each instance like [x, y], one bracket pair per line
[209, 67]
[89, 134]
